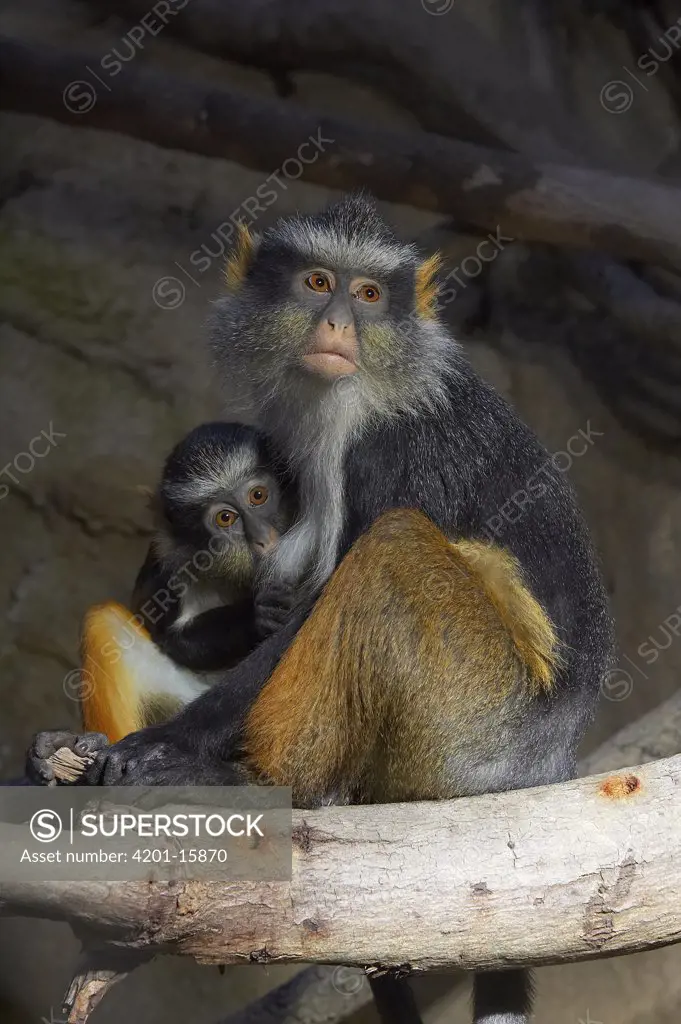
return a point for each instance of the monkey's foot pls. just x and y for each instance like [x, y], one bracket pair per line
[40, 766]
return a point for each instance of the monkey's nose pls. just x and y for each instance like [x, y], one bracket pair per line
[337, 324]
[264, 544]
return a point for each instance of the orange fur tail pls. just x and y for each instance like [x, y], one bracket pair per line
[127, 682]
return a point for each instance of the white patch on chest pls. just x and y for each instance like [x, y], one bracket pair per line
[310, 547]
[309, 550]
[201, 597]
[157, 676]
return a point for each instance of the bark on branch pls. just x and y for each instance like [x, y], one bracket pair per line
[498, 191]
[585, 869]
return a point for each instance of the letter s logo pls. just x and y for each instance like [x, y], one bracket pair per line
[45, 826]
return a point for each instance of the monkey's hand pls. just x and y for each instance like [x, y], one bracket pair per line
[40, 770]
[273, 607]
[156, 756]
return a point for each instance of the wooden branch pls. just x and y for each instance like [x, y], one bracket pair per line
[623, 333]
[97, 972]
[498, 191]
[330, 994]
[585, 869]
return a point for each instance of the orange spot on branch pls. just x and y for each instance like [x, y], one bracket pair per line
[619, 787]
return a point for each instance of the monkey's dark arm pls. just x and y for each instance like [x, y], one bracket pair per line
[214, 639]
[40, 771]
[206, 732]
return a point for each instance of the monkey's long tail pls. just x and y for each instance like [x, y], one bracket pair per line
[502, 997]
[394, 999]
[126, 681]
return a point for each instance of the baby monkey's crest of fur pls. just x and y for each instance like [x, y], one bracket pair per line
[212, 457]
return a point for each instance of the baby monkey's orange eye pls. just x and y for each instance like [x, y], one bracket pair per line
[369, 293]
[318, 282]
[258, 495]
[226, 517]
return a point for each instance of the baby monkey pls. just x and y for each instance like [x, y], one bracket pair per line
[201, 595]
[219, 509]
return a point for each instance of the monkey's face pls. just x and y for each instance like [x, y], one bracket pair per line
[220, 503]
[342, 304]
[305, 328]
[227, 531]
[247, 518]
[333, 301]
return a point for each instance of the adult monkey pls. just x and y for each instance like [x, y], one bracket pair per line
[331, 324]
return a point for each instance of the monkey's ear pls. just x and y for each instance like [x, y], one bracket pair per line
[241, 257]
[426, 286]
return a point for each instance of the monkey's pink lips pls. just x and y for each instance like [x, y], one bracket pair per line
[331, 364]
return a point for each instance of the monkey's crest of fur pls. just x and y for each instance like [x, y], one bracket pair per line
[427, 287]
[349, 234]
[240, 258]
[211, 457]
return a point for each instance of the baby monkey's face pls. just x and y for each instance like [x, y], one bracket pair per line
[249, 515]
[221, 504]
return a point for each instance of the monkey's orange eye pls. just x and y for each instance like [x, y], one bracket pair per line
[226, 517]
[258, 495]
[369, 293]
[318, 282]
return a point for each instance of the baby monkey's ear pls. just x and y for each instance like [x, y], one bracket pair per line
[241, 257]
[427, 286]
[155, 506]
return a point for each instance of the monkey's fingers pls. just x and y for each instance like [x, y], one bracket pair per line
[90, 743]
[44, 745]
[273, 607]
